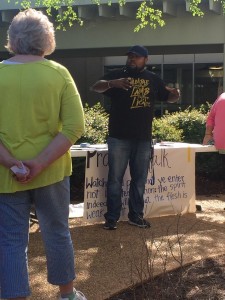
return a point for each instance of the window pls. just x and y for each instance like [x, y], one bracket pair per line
[208, 82]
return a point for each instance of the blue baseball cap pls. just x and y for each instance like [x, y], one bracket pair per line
[138, 50]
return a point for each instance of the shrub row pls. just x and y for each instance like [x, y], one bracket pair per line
[181, 126]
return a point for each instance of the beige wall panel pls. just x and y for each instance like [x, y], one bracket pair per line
[178, 31]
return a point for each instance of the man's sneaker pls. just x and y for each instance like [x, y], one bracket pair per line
[75, 296]
[140, 222]
[110, 225]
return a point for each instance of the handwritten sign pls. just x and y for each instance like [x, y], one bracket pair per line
[170, 190]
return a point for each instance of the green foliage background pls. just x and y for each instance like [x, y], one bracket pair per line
[147, 14]
[96, 125]
[186, 126]
[182, 126]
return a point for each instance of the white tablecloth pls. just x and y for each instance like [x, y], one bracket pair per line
[173, 191]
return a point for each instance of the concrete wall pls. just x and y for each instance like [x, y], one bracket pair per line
[178, 31]
[118, 31]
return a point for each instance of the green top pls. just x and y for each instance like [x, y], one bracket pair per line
[37, 101]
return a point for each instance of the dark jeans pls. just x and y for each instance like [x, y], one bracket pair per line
[137, 154]
[52, 207]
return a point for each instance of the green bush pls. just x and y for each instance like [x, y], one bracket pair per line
[96, 125]
[96, 130]
[161, 131]
[189, 126]
[181, 126]
[184, 126]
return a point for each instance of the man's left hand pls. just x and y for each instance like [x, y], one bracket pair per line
[174, 94]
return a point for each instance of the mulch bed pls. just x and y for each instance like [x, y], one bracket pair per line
[202, 280]
[206, 185]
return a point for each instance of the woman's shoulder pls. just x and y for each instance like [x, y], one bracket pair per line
[55, 64]
[222, 97]
[220, 100]
[59, 68]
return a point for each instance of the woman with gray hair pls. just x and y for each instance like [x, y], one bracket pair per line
[41, 116]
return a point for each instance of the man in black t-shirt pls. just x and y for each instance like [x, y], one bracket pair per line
[133, 91]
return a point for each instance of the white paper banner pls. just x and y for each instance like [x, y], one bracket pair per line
[171, 192]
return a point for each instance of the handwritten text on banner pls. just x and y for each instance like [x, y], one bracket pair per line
[171, 191]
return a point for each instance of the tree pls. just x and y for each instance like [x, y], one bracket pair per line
[65, 15]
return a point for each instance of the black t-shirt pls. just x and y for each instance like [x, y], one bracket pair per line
[131, 112]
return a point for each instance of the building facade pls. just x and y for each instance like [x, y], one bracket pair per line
[188, 52]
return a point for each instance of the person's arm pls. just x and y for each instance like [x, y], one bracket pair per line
[208, 134]
[210, 122]
[174, 94]
[163, 92]
[72, 118]
[73, 127]
[103, 85]
[57, 147]
[6, 159]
